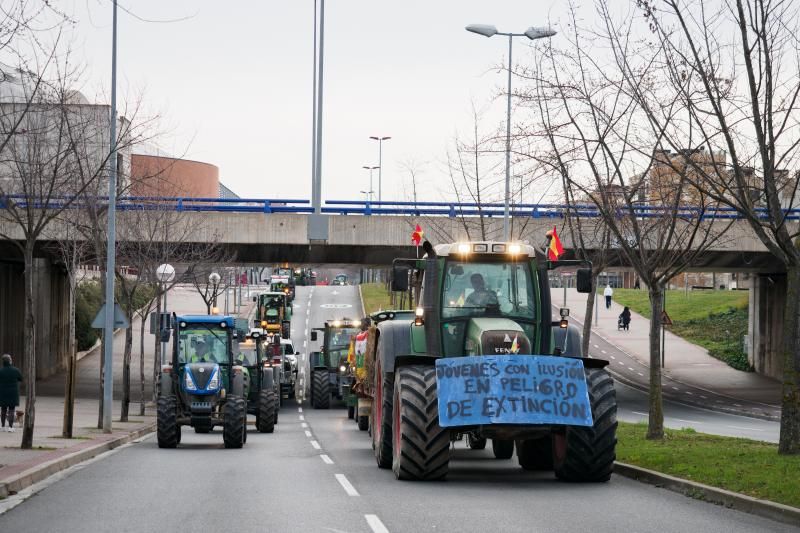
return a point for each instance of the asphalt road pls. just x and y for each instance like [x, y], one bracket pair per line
[317, 473]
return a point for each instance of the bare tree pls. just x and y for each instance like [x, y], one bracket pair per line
[220, 262]
[609, 156]
[731, 67]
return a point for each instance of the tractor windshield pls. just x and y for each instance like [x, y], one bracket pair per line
[340, 338]
[498, 289]
[246, 353]
[198, 343]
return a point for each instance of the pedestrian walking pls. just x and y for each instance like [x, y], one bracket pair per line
[10, 378]
[624, 319]
[608, 293]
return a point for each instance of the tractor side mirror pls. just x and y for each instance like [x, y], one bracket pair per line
[313, 335]
[399, 278]
[584, 280]
[255, 298]
[165, 335]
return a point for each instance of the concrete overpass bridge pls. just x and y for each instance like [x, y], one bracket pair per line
[260, 231]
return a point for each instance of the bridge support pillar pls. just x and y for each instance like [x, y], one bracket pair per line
[51, 293]
[765, 323]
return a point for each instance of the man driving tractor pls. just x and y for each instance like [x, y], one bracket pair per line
[481, 296]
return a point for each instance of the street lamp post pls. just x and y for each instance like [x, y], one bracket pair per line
[165, 274]
[371, 190]
[532, 34]
[380, 164]
[214, 278]
[367, 194]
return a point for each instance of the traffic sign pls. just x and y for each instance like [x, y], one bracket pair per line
[120, 320]
[665, 319]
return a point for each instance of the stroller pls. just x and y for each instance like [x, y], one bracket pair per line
[622, 324]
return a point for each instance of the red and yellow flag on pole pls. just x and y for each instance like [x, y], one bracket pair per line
[554, 249]
[416, 236]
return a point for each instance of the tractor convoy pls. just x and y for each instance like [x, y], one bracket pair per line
[479, 358]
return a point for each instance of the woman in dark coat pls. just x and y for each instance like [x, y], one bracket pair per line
[625, 318]
[10, 378]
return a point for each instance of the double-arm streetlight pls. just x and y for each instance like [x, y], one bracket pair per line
[532, 34]
[380, 164]
[214, 279]
[371, 190]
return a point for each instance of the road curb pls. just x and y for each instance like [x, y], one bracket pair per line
[732, 500]
[38, 473]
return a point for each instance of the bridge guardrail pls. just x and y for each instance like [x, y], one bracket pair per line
[403, 208]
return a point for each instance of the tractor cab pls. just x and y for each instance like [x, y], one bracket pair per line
[273, 313]
[332, 374]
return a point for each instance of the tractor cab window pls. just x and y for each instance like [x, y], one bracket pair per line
[246, 353]
[202, 343]
[340, 337]
[288, 349]
[494, 289]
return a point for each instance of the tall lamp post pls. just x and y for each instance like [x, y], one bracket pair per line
[371, 190]
[367, 194]
[532, 34]
[165, 274]
[214, 278]
[380, 164]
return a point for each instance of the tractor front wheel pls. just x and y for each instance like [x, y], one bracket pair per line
[267, 413]
[502, 449]
[363, 423]
[320, 389]
[587, 453]
[535, 454]
[234, 422]
[168, 431]
[420, 447]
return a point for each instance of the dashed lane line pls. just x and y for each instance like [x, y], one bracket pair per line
[299, 409]
[325, 459]
[631, 369]
[375, 524]
[303, 424]
[639, 413]
[316, 445]
[308, 434]
[747, 429]
[346, 485]
[301, 417]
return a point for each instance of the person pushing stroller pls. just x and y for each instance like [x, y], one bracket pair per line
[624, 320]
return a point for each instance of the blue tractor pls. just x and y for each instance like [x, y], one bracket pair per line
[203, 385]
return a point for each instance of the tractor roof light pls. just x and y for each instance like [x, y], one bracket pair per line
[463, 248]
[215, 310]
[514, 249]
[223, 324]
[356, 323]
[419, 316]
[336, 323]
[263, 323]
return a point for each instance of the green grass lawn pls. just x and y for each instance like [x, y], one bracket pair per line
[716, 320]
[375, 296]
[740, 465]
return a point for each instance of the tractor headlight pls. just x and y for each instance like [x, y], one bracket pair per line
[188, 382]
[213, 383]
[342, 369]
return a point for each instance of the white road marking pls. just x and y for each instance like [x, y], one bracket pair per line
[301, 417]
[596, 346]
[620, 362]
[375, 524]
[346, 485]
[746, 429]
[674, 388]
[704, 397]
[304, 424]
[325, 459]
[612, 357]
[689, 393]
[639, 413]
[308, 434]
[316, 445]
[736, 405]
[299, 409]
[305, 343]
[632, 370]
[642, 375]
[688, 421]
[603, 351]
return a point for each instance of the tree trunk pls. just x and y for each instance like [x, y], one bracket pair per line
[789, 442]
[157, 349]
[141, 367]
[589, 314]
[655, 427]
[72, 363]
[126, 372]
[30, 350]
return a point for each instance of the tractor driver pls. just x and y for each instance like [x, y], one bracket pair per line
[481, 296]
[201, 352]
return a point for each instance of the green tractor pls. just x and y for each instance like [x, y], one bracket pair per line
[483, 359]
[203, 386]
[331, 374]
[255, 354]
[273, 313]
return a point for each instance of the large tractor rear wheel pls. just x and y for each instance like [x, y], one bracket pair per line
[267, 412]
[502, 448]
[588, 453]
[234, 422]
[351, 412]
[535, 454]
[363, 423]
[320, 389]
[168, 431]
[420, 447]
[382, 419]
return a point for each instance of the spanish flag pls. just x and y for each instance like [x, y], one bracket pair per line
[554, 249]
[416, 236]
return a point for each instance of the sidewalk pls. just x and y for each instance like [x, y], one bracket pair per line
[51, 453]
[685, 362]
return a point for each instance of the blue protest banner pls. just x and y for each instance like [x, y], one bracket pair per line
[512, 389]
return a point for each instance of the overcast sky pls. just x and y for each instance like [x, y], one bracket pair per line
[233, 82]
